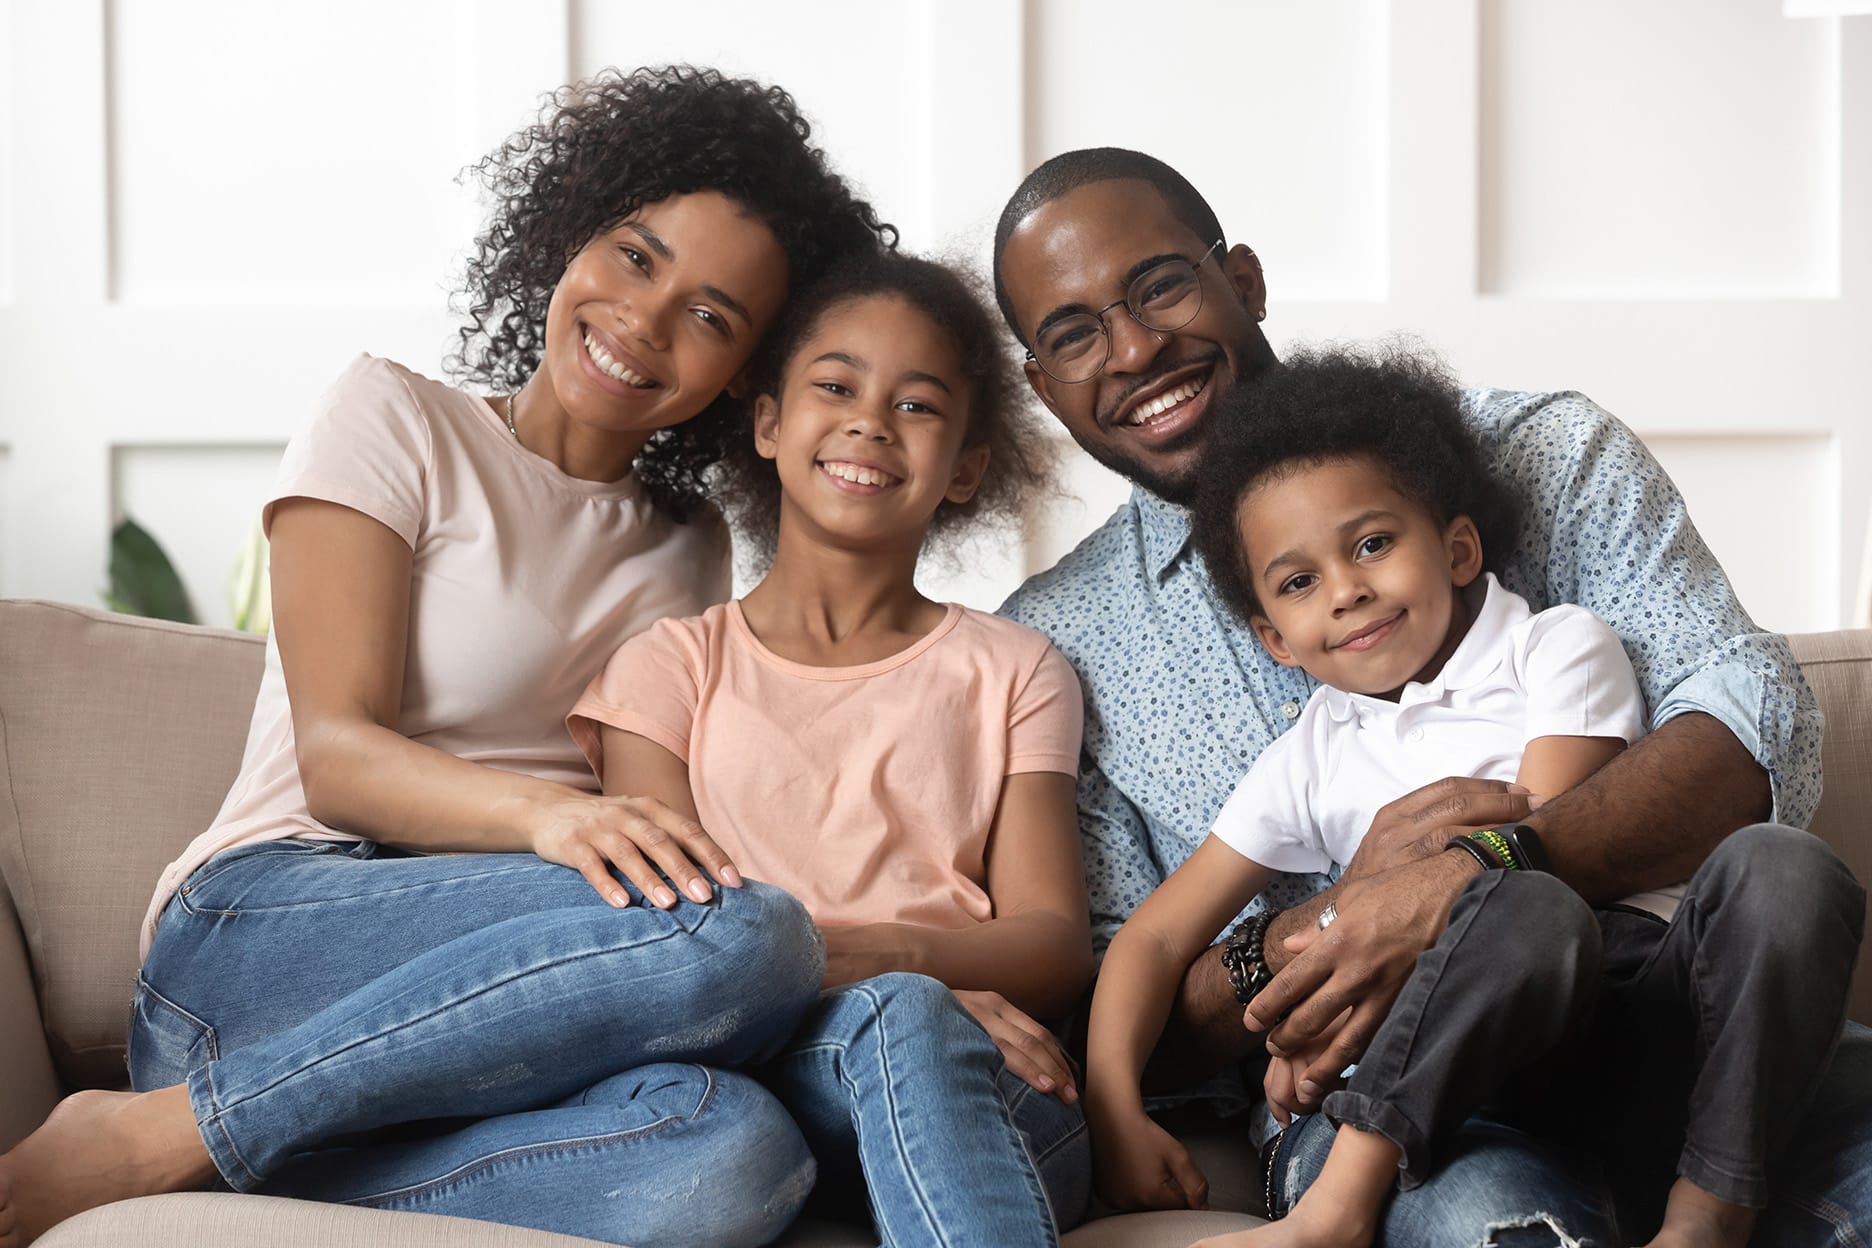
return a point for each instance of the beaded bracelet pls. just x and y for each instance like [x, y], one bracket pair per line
[1498, 845]
[1242, 956]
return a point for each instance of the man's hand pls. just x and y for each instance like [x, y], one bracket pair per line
[1421, 822]
[1348, 975]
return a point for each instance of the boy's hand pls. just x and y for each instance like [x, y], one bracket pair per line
[1142, 1166]
[1031, 1051]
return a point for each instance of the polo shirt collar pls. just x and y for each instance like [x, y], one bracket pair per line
[1165, 526]
[1478, 655]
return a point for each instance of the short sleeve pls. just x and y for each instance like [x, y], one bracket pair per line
[1578, 681]
[1269, 819]
[650, 687]
[366, 447]
[1047, 718]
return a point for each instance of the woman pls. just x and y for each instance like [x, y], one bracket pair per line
[337, 1002]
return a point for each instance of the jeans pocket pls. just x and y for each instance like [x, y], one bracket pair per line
[216, 886]
[166, 1041]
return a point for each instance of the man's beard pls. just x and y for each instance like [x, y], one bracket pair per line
[1180, 490]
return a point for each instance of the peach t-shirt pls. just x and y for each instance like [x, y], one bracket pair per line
[867, 792]
[524, 581]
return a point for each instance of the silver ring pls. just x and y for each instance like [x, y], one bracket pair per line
[1327, 916]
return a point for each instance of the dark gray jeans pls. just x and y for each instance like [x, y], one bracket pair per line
[1643, 1049]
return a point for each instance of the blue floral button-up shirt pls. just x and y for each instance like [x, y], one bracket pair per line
[1180, 698]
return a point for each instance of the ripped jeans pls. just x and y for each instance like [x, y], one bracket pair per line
[481, 1035]
[1711, 1052]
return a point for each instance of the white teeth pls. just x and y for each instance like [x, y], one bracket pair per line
[611, 368]
[1164, 402]
[857, 474]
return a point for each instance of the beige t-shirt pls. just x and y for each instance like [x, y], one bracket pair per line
[524, 581]
[867, 792]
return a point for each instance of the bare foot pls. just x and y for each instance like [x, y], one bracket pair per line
[98, 1147]
[1695, 1219]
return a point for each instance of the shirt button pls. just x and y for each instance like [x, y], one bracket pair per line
[1291, 710]
[1416, 734]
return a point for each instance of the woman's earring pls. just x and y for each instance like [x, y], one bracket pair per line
[1261, 316]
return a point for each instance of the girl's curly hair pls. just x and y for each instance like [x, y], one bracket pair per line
[605, 147]
[1395, 405]
[1018, 458]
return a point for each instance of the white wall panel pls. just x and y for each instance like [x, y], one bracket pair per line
[1791, 507]
[200, 503]
[1278, 112]
[7, 160]
[869, 99]
[1672, 148]
[289, 155]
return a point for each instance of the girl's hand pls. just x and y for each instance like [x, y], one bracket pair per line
[1142, 1166]
[1030, 1050]
[640, 836]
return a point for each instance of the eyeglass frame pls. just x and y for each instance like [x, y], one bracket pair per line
[1125, 303]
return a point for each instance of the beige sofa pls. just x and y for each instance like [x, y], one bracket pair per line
[118, 738]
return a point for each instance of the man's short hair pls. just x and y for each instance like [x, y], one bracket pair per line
[1068, 172]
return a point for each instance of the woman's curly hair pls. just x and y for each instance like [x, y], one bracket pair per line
[1389, 403]
[1018, 452]
[605, 147]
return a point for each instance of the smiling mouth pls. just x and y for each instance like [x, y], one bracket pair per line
[1370, 635]
[611, 368]
[858, 474]
[1149, 411]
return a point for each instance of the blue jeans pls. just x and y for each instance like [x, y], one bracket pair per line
[1711, 1053]
[902, 1094]
[480, 1035]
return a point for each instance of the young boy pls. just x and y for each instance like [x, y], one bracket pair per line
[1345, 517]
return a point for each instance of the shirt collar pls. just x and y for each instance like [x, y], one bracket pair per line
[1166, 529]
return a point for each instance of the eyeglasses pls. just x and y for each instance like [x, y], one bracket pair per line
[1162, 298]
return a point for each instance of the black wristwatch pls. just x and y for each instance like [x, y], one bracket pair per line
[1243, 956]
[1527, 847]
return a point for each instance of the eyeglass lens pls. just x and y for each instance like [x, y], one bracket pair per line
[1161, 298]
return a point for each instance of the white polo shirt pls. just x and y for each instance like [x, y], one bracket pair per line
[1311, 796]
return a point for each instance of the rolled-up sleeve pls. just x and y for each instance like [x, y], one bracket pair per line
[1609, 531]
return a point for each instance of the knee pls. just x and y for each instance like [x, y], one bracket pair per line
[776, 944]
[744, 1170]
[909, 1004]
[761, 1170]
[1781, 879]
[1529, 924]
[910, 996]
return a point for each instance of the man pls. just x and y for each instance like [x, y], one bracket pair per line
[1113, 271]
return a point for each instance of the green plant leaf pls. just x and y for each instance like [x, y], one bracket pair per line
[142, 580]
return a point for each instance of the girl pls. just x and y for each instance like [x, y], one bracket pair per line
[1345, 517]
[448, 572]
[905, 767]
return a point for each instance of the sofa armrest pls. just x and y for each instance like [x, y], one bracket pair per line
[28, 1087]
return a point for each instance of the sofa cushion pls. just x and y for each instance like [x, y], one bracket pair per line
[119, 737]
[1839, 668]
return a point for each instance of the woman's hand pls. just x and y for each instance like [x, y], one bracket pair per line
[639, 836]
[1031, 1051]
